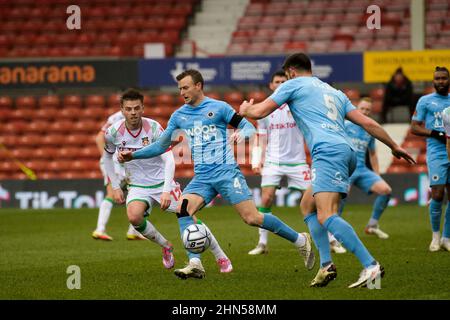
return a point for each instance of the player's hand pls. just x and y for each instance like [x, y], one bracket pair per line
[118, 196]
[244, 107]
[402, 153]
[257, 169]
[165, 200]
[124, 156]
[236, 137]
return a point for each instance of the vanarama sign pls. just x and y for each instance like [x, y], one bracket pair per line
[47, 74]
[64, 73]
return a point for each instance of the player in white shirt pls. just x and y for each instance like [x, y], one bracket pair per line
[150, 181]
[278, 151]
[108, 202]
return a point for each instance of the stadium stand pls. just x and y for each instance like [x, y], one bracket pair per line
[110, 28]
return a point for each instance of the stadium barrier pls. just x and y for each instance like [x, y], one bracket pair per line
[46, 194]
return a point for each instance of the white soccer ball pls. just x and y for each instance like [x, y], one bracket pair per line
[196, 238]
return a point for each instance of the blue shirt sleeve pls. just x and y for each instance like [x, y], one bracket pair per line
[246, 127]
[283, 93]
[348, 106]
[420, 113]
[161, 145]
[371, 145]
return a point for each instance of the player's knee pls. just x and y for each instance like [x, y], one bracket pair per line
[135, 220]
[387, 190]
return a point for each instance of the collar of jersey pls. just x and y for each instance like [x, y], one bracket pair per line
[137, 134]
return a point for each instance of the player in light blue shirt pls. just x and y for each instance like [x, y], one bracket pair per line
[429, 112]
[365, 179]
[319, 111]
[204, 121]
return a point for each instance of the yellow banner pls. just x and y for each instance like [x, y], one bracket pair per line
[417, 65]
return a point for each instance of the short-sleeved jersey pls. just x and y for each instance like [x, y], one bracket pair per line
[429, 110]
[139, 172]
[285, 143]
[362, 141]
[318, 109]
[446, 120]
[205, 126]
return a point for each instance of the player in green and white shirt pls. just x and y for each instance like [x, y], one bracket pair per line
[107, 204]
[150, 181]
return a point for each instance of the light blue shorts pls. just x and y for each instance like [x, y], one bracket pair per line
[331, 168]
[364, 179]
[438, 169]
[229, 183]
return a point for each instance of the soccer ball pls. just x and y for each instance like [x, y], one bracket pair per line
[196, 238]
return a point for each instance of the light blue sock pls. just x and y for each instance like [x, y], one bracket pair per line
[344, 233]
[320, 236]
[183, 223]
[275, 225]
[446, 231]
[380, 205]
[341, 206]
[435, 215]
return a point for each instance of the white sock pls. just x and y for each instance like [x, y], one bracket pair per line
[331, 238]
[103, 215]
[215, 247]
[195, 261]
[301, 241]
[444, 239]
[436, 235]
[152, 234]
[263, 236]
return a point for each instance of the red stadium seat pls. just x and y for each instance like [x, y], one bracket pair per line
[15, 127]
[50, 101]
[21, 114]
[213, 95]
[38, 126]
[90, 152]
[28, 141]
[79, 139]
[73, 101]
[26, 102]
[46, 153]
[69, 113]
[114, 101]
[53, 140]
[68, 153]
[5, 102]
[23, 153]
[95, 100]
[46, 114]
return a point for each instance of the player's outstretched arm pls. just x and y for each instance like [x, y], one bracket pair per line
[377, 131]
[259, 110]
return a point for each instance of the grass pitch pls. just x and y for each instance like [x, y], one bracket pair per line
[37, 247]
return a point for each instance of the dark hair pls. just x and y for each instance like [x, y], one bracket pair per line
[299, 61]
[131, 94]
[441, 69]
[195, 75]
[278, 73]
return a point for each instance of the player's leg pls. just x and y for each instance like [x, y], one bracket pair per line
[267, 196]
[188, 205]
[248, 212]
[221, 258]
[383, 190]
[233, 188]
[327, 271]
[331, 173]
[438, 173]
[445, 240]
[139, 204]
[104, 214]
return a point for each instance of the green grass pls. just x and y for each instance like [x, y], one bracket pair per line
[36, 247]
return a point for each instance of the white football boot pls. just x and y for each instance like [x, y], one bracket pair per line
[368, 275]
